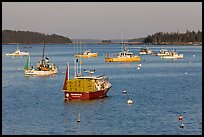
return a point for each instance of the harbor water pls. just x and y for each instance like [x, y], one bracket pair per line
[161, 90]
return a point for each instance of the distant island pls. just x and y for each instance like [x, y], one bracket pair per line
[165, 38]
[27, 37]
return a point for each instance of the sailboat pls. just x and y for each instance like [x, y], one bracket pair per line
[18, 53]
[85, 87]
[43, 68]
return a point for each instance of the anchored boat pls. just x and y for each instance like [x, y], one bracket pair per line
[18, 53]
[124, 56]
[173, 55]
[144, 51]
[87, 54]
[162, 52]
[43, 68]
[85, 87]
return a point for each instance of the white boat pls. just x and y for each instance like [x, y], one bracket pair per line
[162, 52]
[144, 51]
[18, 53]
[173, 55]
[43, 68]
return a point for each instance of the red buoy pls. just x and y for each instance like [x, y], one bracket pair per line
[180, 117]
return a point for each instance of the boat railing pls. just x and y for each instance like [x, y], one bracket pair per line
[111, 55]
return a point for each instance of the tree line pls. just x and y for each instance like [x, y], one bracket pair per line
[27, 37]
[190, 37]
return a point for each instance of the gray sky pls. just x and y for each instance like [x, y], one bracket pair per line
[102, 20]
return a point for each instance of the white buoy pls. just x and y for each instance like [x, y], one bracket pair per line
[139, 65]
[19, 69]
[138, 68]
[193, 55]
[124, 92]
[129, 101]
[78, 119]
[186, 73]
[182, 126]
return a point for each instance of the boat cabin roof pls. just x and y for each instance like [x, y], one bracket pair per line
[91, 77]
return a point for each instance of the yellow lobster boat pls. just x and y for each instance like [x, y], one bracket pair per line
[124, 56]
[86, 54]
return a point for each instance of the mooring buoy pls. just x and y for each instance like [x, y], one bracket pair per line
[78, 119]
[182, 126]
[124, 92]
[129, 101]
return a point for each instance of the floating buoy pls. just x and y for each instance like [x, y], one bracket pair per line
[180, 118]
[139, 65]
[19, 69]
[78, 119]
[129, 101]
[13, 57]
[186, 73]
[193, 55]
[124, 92]
[182, 126]
[138, 68]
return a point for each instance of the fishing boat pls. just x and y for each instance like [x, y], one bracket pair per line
[43, 68]
[87, 54]
[173, 55]
[144, 51]
[124, 56]
[85, 87]
[18, 53]
[162, 52]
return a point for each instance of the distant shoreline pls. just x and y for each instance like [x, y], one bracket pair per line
[189, 44]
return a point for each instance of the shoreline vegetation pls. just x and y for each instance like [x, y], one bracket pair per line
[10, 37]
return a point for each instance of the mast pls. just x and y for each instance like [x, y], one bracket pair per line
[42, 61]
[80, 60]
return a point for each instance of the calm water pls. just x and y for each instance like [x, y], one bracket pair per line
[161, 90]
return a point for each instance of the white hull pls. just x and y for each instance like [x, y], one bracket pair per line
[41, 72]
[20, 54]
[173, 57]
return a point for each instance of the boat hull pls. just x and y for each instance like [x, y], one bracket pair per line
[132, 59]
[40, 73]
[172, 57]
[11, 54]
[85, 95]
[86, 56]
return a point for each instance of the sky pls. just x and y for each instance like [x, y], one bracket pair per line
[102, 20]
